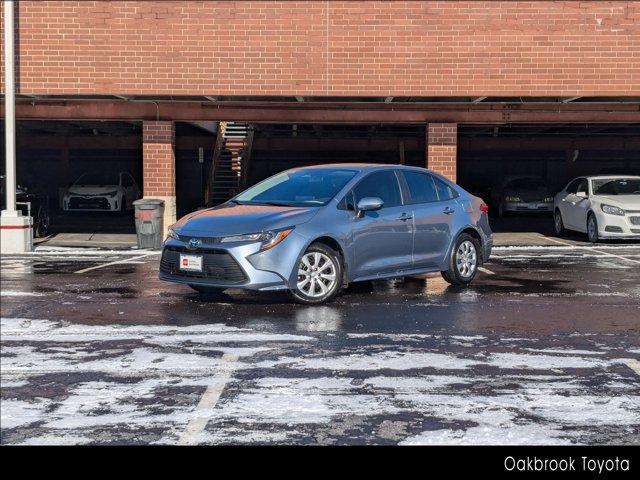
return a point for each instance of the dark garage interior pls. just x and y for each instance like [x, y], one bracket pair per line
[52, 154]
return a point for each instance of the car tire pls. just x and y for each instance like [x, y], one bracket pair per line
[464, 260]
[123, 206]
[41, 224]
[501, 212]
[558, 224]
[207, 290]
[592, 228]
[320, 275]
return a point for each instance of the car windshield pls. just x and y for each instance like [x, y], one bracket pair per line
[306, 187]
[98, 178]
[526, 184]
[616, 186]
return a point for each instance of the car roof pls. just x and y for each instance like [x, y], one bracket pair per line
[361, 166]
[610, 176]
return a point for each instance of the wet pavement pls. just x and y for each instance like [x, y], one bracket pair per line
[544, 347]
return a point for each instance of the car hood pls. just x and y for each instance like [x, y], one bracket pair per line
[92, 189]
[231, 219]
[626, 202]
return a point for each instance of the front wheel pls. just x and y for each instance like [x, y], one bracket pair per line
[463, 261]
[319, 275]
[592, 228]
[41, 224]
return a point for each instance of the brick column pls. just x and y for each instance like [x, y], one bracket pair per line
[159, 166]
[442, 140]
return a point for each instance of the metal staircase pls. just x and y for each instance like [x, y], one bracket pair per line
[231, 156]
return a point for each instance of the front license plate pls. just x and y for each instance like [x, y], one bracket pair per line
[191, 263]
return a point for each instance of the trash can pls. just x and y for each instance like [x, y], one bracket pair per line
[149, 222]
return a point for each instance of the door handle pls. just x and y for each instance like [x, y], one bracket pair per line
[448, 210]
[404, 217]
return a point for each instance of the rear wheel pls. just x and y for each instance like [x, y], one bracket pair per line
[559, 224]
[464, 260]
[592, 228]
[207, 290]
[319, 275]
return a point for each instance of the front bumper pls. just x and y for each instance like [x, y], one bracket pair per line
[523, 207]
[233, 265]
[90, 203]
[625, 227]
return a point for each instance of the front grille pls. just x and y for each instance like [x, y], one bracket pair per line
[204, 240]
[89, 203]
[634, 220]
[635, 230]
[217, 265]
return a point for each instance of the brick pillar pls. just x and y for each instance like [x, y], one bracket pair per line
[159, 166]
[442, 140]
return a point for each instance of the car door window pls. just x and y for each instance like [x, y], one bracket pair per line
[573, 186]
[421, 187]
[383, 185]
[445, 192]
[582, 186]
[347, 202]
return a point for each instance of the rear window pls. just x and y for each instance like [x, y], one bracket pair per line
[445, 192]
[421, 187]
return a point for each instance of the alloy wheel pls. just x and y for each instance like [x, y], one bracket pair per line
[558, 223]
[316, 275]
[592, 229]
[466, 259]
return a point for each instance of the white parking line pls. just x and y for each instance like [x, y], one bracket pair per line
[596, 250]
[204, 410]
[633, 364]
[126, 260]
[486, 270]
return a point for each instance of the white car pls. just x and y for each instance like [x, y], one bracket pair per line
[603, 207]
[101, 191]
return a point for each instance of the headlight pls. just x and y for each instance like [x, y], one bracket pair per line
[548, 200]
[512, 199]
[172, 234]
[611, 210]
[269, 239]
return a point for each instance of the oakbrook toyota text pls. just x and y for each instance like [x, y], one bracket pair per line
[568, 464]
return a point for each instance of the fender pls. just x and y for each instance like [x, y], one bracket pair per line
[292, 280]
[445, 263]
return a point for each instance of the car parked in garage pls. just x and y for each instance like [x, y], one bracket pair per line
[312, 230]
[30, 203]
[603, 207]
[102, 191]
[523, 194]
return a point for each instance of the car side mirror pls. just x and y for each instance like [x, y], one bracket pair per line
[581, 194]
[369, 204]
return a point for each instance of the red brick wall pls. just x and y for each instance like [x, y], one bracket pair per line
[442, 139]
[330, 48]
[158, 159]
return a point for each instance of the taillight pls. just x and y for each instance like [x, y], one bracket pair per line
[484, 208]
